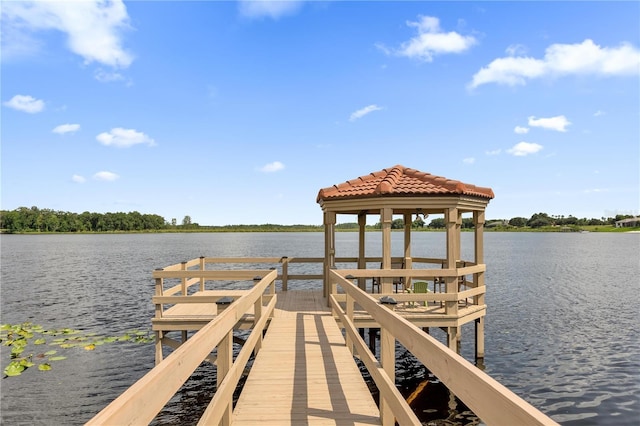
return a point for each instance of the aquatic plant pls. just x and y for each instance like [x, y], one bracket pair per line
[20, 337]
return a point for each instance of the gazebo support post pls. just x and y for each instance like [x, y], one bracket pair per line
[478, 221]
[329, 250]
[452, 223]
[407, 248]
[386, 217]
[362, 264]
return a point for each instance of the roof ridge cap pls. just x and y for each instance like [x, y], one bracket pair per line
[390, 181]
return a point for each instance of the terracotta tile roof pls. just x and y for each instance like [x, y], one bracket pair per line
[401, 181]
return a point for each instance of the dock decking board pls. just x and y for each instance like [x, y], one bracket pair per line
[305, 371]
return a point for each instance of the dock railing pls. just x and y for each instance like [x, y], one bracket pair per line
[487, 398]
[297, 269]
[145, 399]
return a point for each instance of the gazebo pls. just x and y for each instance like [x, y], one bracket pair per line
[400, 190]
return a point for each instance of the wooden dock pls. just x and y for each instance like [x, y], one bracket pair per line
[305, 344]
[304, 373]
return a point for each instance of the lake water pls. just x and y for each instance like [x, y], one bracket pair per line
[562, 325]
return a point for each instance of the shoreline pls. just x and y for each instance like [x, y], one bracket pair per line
[315, 229]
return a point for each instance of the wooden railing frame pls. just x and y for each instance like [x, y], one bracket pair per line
[487, 398]
[464, 268]
[141, 402]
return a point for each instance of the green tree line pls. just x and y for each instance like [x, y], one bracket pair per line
[537, 220]
[33, 219]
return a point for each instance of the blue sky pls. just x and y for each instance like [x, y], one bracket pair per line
[239, 112]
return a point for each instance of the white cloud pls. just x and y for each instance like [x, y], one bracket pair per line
[558, 123]
[272, 167]
[93, 28]
[524, 148]
[561, 59]
[494, 152]
[66, 128]
[124, 138]
[106, 176]
[469, 160]
[25, 103]
[431, 41]
[269, 8]
[599, 113]
[521, 130]
[364, 111]
[78, 179]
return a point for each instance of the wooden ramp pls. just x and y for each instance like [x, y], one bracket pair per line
[304, 374]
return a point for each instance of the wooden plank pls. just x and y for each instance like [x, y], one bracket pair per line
[211, 275]
[304, 373]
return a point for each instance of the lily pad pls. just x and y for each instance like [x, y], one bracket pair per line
[44, 367]
[57, 358]
[14, 369]
[26, 363]
[39, 342]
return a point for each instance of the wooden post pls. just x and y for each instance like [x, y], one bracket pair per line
[202, 265]
[158, 314]
[183, 282]
[224, 362]
[349, 313]
[329, 250]
[452, 218]
[386, 217]
[285, 273]
[362, 264]
[257, 314]
[158, 346]
[453, 338]
[478, 219]
[408, 263]
[388, 362]
[480, 338]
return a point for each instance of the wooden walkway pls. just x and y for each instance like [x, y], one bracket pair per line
[304, 374]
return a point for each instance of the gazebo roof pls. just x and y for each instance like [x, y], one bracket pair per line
[400, 181]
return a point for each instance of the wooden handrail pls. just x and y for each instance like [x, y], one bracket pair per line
[212, 275]
[487, 398]
[144, 399]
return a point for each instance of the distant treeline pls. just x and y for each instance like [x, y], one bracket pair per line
[33, 219]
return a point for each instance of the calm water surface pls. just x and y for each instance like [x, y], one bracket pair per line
[561, 329]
